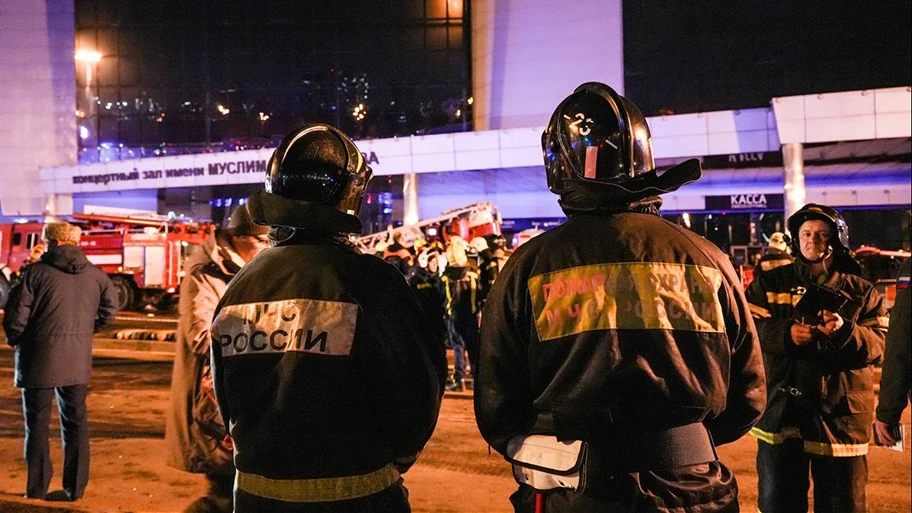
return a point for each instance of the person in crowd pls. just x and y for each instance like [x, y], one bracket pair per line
[776, 255]
[428, 289]
[195, 438]
[618, 331]
[399, 255]
[322, 371]
[50, 319]
[460, 286]
[487, 268]
[896, 376]
[819, 371]
[500, 251]
[35, 254]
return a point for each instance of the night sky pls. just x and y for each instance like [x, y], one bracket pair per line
[714, 55]
[407, 61]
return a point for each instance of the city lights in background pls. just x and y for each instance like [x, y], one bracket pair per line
[359, 112]
[88, 56]
[224, 111]
[264, 117]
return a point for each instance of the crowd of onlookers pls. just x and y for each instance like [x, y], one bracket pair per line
[451, 279]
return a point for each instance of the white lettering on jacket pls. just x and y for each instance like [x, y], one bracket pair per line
[301, 325]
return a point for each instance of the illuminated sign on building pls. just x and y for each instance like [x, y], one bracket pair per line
[743, 160]
[746, 202]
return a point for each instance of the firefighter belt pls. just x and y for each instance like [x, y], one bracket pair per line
[545, 463]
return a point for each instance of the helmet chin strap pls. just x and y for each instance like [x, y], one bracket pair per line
[828, 252]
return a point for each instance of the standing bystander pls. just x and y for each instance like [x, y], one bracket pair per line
[195, 437]
[52, 314]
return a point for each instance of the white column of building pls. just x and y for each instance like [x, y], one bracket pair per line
[410, 199]
[795, 193]
[37, 102]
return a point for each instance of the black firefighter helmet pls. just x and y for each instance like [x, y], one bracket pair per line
[598, 137]
[314, 167]
[830, 216]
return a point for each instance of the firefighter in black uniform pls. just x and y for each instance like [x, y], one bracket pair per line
[776, 256]
[320, 359]
[620, 330]
[428, 289]
[819, 371]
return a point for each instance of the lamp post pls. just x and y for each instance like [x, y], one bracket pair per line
[89, 137]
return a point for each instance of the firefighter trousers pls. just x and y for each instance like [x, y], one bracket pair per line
[839, 483]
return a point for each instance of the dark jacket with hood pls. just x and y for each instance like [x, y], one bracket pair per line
[615, 324]
[52, 315]
[821, 393]
[321, 362]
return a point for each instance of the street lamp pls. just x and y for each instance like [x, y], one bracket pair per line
[90, 58]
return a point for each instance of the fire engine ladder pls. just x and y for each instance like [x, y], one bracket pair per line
[159, 222]
[412, 232]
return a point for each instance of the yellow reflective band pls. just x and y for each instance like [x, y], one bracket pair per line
[473, 286]
[318, 490]
[776, 438]
[876, 322]
[835, 450]
[759, 311]
[449, 296]
[781, 298]
[634, 295]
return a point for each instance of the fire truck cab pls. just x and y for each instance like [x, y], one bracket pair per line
[144, 256]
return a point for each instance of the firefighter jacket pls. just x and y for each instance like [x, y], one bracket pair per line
[896, 380]
[821, 393]
[460, 285]
[428, 290]
[772, 259]
[615, 324]
[194, 437]
[323, 372]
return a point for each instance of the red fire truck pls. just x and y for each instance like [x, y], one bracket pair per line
[144, 256]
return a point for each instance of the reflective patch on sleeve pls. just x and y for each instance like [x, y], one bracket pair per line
[633, 295]
[881, 322]
[759, 312]
[301, 325]
[779, 298]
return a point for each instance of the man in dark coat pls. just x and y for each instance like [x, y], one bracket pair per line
[619, 330]
[50, 319]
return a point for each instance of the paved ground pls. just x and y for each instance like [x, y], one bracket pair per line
[127, 401]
